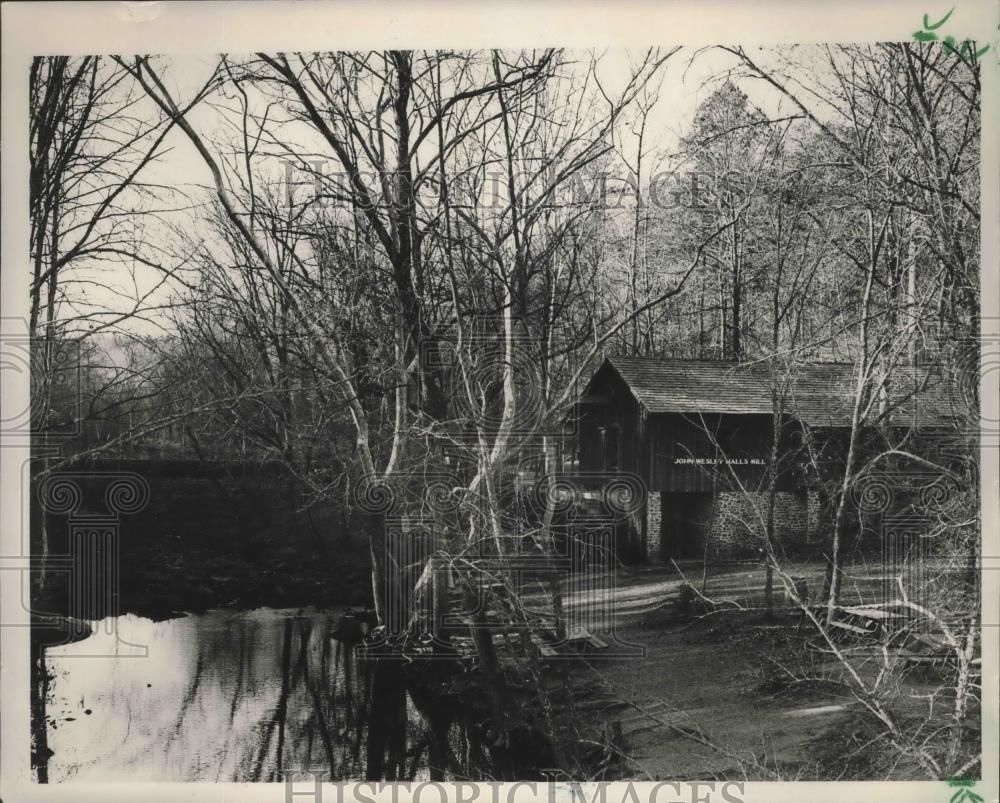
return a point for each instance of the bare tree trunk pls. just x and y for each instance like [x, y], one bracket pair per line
[833, 598]
[548, 541]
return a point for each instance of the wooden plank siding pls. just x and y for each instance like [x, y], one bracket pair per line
[617, 434]
[609, 435]
[653, 417]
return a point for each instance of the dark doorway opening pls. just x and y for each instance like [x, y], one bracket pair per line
[684, 522]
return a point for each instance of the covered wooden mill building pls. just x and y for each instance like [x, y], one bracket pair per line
[698, 435]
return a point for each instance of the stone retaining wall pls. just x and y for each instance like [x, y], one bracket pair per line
[734, 522]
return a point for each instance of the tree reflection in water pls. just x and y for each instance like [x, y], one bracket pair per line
[230, 696]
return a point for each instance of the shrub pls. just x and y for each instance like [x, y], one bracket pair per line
[688, 600]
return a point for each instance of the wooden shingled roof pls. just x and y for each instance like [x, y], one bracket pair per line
[821, 394]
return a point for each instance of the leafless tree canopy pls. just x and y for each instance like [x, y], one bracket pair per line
[391, 271]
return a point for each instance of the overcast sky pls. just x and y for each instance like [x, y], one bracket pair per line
[687, 79]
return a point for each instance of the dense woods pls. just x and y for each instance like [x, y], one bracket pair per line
[393, 272]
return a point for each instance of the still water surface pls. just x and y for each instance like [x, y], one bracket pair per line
[219, 696]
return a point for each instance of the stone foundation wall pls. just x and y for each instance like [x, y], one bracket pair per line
[734, 522]
[737, 522]
[818, 520]
[654, 513]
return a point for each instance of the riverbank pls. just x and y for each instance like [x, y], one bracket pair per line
[215, 535]
[735, 694]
